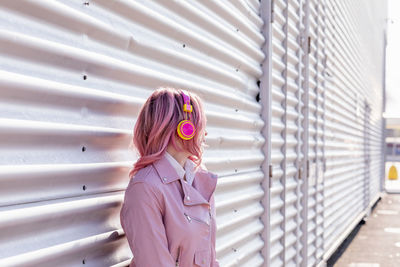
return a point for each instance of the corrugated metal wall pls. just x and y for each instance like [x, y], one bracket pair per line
[325, 127]
[75, 73]
[73, 76]
[355, 49]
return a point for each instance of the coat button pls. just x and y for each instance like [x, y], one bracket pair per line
[187, 197]
[165, 179]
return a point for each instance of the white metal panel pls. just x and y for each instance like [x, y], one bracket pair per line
[316, 57]
[286, 134]
[355, 76]
[74, 75]
[342, 195]
[321, 56]
[277, 195]
[295, 134]
[376, 11]
[339, 134]
[266, 102]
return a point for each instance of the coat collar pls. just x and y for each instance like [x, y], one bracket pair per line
[199, 192]
[165, 170]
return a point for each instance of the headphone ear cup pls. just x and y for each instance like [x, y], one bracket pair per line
[186, 129]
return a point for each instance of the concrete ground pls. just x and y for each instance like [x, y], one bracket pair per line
[377, 242]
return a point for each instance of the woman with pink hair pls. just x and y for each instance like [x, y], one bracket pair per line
[168, 213]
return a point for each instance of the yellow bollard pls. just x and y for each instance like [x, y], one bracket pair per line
[392, 173]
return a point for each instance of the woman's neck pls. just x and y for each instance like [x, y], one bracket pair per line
[179, 156]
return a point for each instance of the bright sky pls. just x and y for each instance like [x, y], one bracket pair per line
[393, 60]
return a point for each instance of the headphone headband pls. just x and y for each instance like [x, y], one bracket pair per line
[186, 128]
[186, 102]
[186, 97]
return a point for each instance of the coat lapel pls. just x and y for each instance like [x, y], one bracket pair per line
[205, 182]
[203, 186]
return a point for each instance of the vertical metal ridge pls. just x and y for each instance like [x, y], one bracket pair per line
[304, 186]
[266, 99]
[283, 179]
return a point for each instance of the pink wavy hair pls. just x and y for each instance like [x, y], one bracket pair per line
[156, 125]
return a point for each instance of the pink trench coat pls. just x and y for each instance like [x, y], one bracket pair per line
[168, 222]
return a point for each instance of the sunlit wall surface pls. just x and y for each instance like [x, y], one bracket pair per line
[293, 97]
[326, 124]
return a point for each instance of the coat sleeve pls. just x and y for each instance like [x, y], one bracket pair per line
[141, 219]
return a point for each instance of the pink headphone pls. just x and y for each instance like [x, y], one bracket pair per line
[186, 129]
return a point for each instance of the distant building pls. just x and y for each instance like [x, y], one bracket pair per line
[392, 139]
